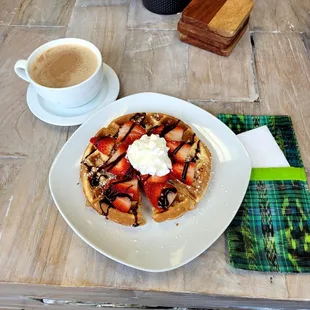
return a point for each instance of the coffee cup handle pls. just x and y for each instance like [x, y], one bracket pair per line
[20, 69]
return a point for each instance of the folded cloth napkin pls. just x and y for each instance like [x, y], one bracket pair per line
[271, 230]
[262, 148]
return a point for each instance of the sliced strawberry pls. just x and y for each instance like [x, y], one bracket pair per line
[157, 130]
[177, 170]
[190, 173]
[152, 192]
[122, 204]
[175, 134]
[188, 169]
[157, 179]
[130, 132]
[182, 153]
[179, 150]
[93, 140]
[129, 187]
[120, 168]
[138, 130]
[105, 145]
[124, 130]
[136, 133]
[172, 145]
[121, 149]
[161, 195]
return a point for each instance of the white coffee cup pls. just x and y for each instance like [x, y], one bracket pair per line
[69, 97]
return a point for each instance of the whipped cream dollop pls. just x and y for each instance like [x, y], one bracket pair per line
[149, 155]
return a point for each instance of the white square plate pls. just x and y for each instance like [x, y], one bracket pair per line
[164, 246]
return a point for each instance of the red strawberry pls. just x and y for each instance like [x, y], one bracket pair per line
[157, 179]
[124, 130]
[93, 140]
[157, 130]
[190, 173]
[175, 134]
[178, 168]
[160, 195]
[105, 145]
[136, 133]
[130, 132]
[182, 153]
[120, 168]
[121, 149]
[152, 192]
[172, 145]
[180, 150]
[122, 204]
[128, 187]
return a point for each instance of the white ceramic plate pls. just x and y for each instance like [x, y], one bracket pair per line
[60, 116]
[164, 246]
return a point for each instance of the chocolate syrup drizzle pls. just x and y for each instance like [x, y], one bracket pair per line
[196, 152]
[113, 163]
[93, 151]
[128, 132]
[163, 202]
[165, 130]
[193, 138]
[168, 128]
[107, 202]
[151, 130]
[139, 118]
[178, 148]
[135, 214]
[111, 194]
[87, 166]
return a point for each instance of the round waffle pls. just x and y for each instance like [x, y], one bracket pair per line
[113, 187]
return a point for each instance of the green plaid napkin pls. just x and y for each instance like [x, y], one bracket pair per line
[271, 231]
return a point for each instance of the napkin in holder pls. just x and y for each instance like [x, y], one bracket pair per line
[262, 148]
[271, 230]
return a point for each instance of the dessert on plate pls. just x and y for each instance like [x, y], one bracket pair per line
[150, 152]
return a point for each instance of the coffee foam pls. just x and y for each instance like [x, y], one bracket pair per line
[64, 66]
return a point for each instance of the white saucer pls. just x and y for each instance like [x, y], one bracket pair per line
[57, 115]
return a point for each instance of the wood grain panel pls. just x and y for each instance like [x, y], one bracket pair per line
[283, 16]
[27, 230]
[103, 26]
[9, 172]
[150, 298]
[208, 77]
[140, 18]
[8, 10]
[154, 61]
[43, 13]
[17, 123]
[94, 269]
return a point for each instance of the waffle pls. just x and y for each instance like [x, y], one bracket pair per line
[113, 187]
